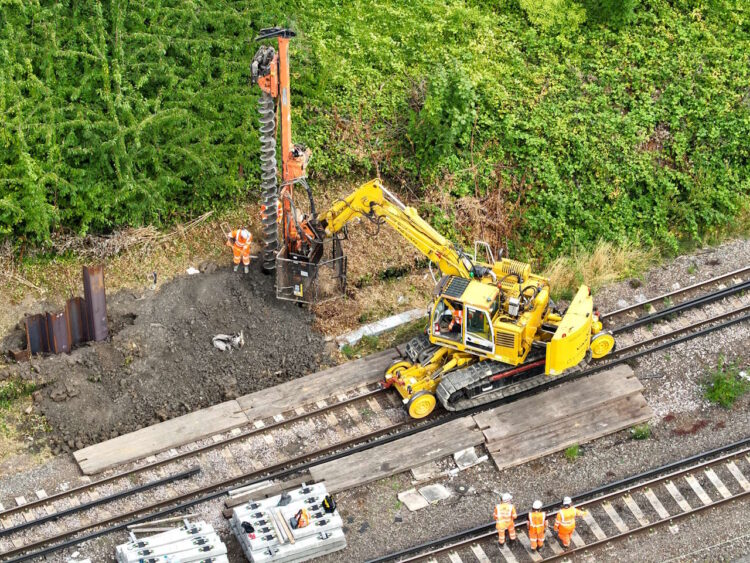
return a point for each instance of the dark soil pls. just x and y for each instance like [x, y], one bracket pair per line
[160, 362]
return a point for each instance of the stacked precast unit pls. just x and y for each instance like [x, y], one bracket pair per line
[191, 543]
[265, 534]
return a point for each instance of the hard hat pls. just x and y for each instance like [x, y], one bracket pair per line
[537, 505]
[244, 233]
[567, 501]
[506, 497]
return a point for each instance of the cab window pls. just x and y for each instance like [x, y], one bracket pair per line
[447, 321]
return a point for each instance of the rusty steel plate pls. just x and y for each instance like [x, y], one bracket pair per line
[96, 302]
[57, 333]
[36, 334]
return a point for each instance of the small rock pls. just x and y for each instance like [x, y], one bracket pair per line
[621, 303]
[364, 527]
[675, 286]
[28, 409]
[640, 298]
[79, 444]
[398, 517]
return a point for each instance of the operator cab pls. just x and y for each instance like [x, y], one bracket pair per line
[463, 314]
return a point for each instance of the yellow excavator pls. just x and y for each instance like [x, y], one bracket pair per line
[493, 329]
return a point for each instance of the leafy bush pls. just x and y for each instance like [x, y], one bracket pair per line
[129, 113]
[14, 389]
[725, 385]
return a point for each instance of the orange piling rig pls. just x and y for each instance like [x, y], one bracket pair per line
[270, 70]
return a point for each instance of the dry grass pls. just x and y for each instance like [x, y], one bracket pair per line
[605, 264]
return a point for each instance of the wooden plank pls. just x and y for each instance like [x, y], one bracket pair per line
[635, 510]
[677, 496]
[698, 490]
[160, 437]
[314, 387]
[594, 526]
[507, 554]
[231, 414]
[526, 543]
[738, 475]
[615, 517]
[569, 398]
[656, 504]
[397, 456]
[585, 427]
[269, 491]
[718, 483]
[480, 554]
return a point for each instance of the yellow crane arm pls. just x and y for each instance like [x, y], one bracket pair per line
[373, 199]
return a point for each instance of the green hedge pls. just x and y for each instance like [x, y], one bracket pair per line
[617, 125]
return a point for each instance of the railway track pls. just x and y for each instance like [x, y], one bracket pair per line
[339, 425]
[616, 511]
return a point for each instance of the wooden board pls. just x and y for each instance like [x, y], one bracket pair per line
[567, 400]
[321, 385]
[160, 437]
[231, 414]
[578, 429]
[397, 456]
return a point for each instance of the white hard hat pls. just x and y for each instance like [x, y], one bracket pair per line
[537, 505]
[567, 501]
[507, 497]
[244, 233]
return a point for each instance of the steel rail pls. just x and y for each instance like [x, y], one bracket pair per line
[680, 307]
[611, 490]
[272, 472]
[184, 455]
[680, 291]
[276, 424]
[677, 331]
[103, 500]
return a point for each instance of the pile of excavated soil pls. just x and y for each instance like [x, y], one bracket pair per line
[160, 361]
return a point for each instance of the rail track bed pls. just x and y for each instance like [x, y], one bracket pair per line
[659, 497]
[288, 442]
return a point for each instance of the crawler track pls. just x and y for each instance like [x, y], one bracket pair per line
[616, 511]
[40, 530]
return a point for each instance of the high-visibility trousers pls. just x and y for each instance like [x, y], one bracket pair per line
[565, 533]
[501, 527]
[536, 536]
[241, 253]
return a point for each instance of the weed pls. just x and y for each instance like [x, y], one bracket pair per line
[348, 352]
[724, 384]
[370, 342]
[667, 302]
[692, 269]
[641, 432]
[14, 389]
[604, 264]
[572, 452]
[667, 357]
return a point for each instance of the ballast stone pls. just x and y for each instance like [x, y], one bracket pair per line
[322, 536]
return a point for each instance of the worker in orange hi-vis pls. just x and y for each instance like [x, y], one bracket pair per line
[505, 516]
[537, 525]
[565, 523]
[240, 241]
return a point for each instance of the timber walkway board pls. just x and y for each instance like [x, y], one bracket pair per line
[232, 414]
[573, 413]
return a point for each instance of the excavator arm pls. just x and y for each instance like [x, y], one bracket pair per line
[375, 201]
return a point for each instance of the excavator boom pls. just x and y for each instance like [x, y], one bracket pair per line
[373, 200]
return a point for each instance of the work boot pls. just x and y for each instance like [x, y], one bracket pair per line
[236, 267]
[247, 269]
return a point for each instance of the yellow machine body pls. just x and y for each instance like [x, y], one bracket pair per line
[480, 311]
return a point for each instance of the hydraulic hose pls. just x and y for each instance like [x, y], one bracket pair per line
[268, 180]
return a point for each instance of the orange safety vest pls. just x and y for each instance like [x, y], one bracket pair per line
[537, 520]
[505, 514]
[566, 518]
[303, 518]
[458, 317]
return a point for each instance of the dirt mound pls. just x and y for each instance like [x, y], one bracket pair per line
[161, 363]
